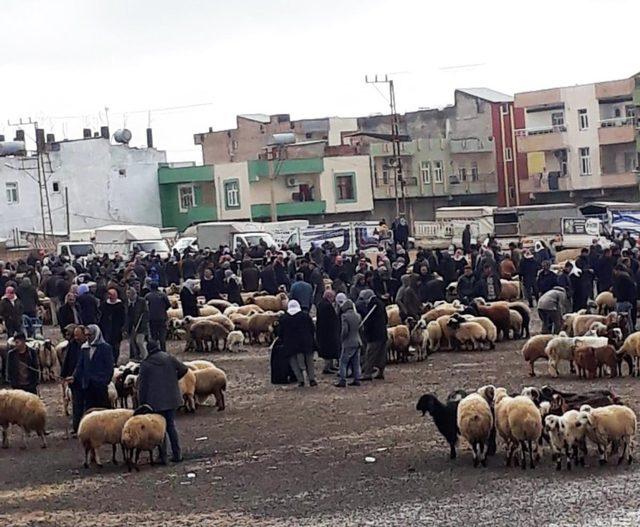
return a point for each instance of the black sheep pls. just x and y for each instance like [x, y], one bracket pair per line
[445, 416]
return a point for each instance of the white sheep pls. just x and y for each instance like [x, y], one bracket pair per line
[467, 333]
[554, 428]
[605, 302]
[433, 335]
[235, 340]
[187, 386]
[575, 437]
[142, 432]
[519, 423]
[515, 320]
[475, 422]
[99, 427]
[210, 381]
[112, 394]
[613, 425]
[560, 348]
[25, 410]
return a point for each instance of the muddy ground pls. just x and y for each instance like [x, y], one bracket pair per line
[290, 456]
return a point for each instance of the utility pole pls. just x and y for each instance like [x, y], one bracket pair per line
[66, 210]
[276, 152]
[401, 200]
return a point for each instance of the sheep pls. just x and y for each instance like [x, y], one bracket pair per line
[614, 424]
[211, 381]
[248, 310]
[270, 302]
[605, 302]
[510, 290]
[262, 324]
[444, 416]
[187, 386]
[204, 333]
[199, 364]
[393, 316]
[398, 343]
[25, 410]
[564, 401]
[631, 347]
[441, 310]
[235, 339]
[525, 313]
[112, 394]
[518, 421]
[534, 349]
[606, 356]
[175, 313]
[516, 323]
[475, 422]
[554, 429]
[575, 438]
[174, 301]
[498, 313]
[99, 427]
[567, 321]
[582, 323]
[470, 333]
[560, 348]
[207, 311]
[143, 431]
[584, 358]
[220, 304]
[47, 358]
[241, 322]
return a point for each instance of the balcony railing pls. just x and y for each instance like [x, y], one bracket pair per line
[539, 130]
[617, 121]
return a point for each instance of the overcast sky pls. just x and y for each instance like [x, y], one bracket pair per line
[66, 58]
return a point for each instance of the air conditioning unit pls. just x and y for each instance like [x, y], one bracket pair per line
[291, 181]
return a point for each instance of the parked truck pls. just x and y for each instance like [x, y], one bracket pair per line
[233, 234]
[129, 239]
[348, 237]
[80, 244]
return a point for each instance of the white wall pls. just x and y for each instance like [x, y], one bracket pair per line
[98, 193]
[361, 167]
[239, 171]
[337, 125]
[541, 119]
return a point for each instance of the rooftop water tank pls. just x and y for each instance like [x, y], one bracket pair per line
[11, 148]
[122, 136]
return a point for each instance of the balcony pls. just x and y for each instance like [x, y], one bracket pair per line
[536, 184]
[617, 130]
[294, 208]
[470, 146]
[542, 138]
[481, 184]
[621, 179]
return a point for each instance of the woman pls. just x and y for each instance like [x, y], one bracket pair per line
[189, 299]
[233, 287]
[328, 331]
[94, 369]
[296, 331]
[208, 285]
[112, 320]
[11, 311]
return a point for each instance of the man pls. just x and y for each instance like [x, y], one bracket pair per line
[350, 336]
[158, 387]
[69, 313]
[547, 279]
[11, 311]
[466, 285]
[302, 292]
[624, 291]
[317, 281]
[466, 239]
[88, 305]
[551, 306]
[112, 321]
[94, 370]
[489, 287]
[69, 364]
[400, 229]
[137, 325]
[268, 279]
[528, 270]
[407, 298]
[374, 330]
[23, 368]
[158, 303]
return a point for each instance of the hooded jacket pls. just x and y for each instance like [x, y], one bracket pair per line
[158, 380]
[350, 321]
[407, 299]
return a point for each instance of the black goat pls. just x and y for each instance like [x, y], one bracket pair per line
[445, 416]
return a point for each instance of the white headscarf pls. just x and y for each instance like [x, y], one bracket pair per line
[293, 307]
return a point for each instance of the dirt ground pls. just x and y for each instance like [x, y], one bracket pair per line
[290, 456]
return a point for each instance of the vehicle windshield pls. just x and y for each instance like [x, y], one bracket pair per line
[254, 239]
[183, 243]
[81, 250]
[159, 246]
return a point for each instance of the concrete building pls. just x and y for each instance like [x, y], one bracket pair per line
[106, 183]
[462, 154]
[253, 133]
[580, 141]
[320, 189]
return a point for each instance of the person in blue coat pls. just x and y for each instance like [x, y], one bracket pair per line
[94, 369]
[302, 292]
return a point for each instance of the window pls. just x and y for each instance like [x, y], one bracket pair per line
[385, 177]
[583, 119]
[462, 173]
[508, 154]
[629, 161]
[630, 110]
[186, 197]
[55, 186]
[474, 171]
[122, 172]
[585, 162]
[504, 109]
[12, 192]
[345, 186]
[232, 194]
[425, 172]
[234, 145]
[557, 119]
[437, 171]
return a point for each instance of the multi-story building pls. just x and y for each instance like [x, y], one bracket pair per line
[580, 141]
[462, 154]
[105, 182]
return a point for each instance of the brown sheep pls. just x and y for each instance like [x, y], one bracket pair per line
[187, 386]
[219, 303]
[534, 348]
[510, 290]
[240, 321]
[270, 302]
[393, 316]
[582, 323]
[211, 381]
[437, 312]
[206, 311]
[586, 362]
[249, 309]
[204, 333]
[606, 356]
[498, 313]
[398, 343]
[262, 324]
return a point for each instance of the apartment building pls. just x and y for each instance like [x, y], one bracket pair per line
[463, 154]
[580, 142]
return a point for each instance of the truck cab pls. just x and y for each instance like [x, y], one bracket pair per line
[75, 249]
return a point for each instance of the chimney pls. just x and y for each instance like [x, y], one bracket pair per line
[86, 133]
[104, 132]
[40, 139]
[96, 134]
[149, 138]
[211, 129]
[51, 138]
[19, 135]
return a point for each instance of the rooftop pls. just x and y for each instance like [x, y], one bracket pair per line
[487, 94]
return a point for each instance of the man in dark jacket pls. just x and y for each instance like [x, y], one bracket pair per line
[528, 270]
[11, 311]
[250, 275]
[158, 387]
[268, 279]
[137, 325]
[625, 293]
[489, 287]
[374, 330]
[69, 313]
[407, 298]
[466, 285]
[23, 368]
[29, 297]
[112, 321]
[88, 305]
[604, 271]
[350, 337]
[466, 239]
[158, 303]
[547, 279]
[71, 358]
[317, 282]
[302, 292]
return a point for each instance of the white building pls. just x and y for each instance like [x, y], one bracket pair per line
[107, 183]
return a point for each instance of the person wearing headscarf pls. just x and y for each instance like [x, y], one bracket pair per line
[374, 331]
[189, 299]
[407, 299]
[11, 311]
[112, 321]
[137, 325]
[158, 387]
[88, 305]
[358, 286]
[328, 331]
[94, 369]
[208, 285]
[350, 338]
[69, 312]
[296, 330]
[232, 285]
[76, 338]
